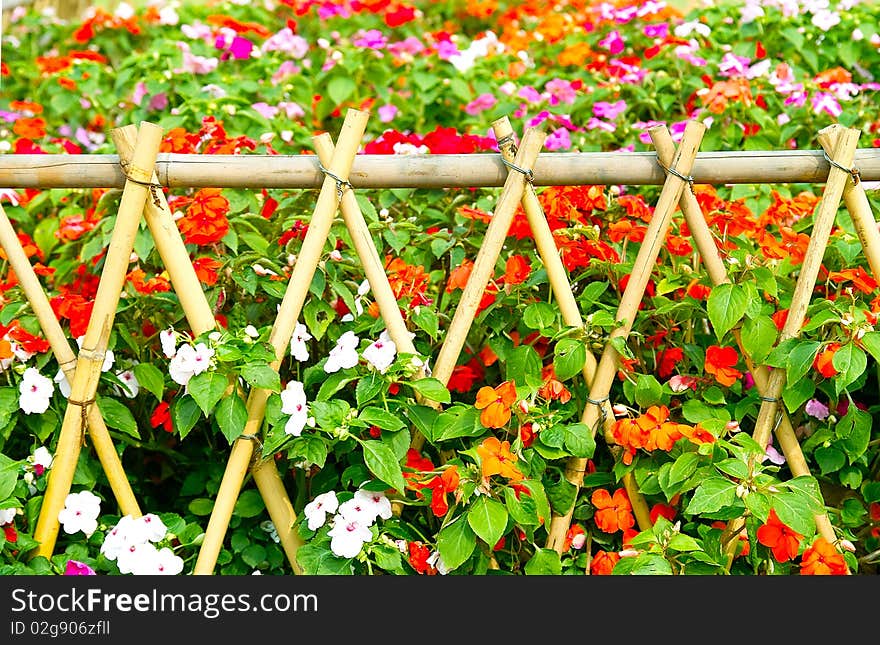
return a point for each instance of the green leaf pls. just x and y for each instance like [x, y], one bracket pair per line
[432, 389]
[539, 315]
[184, 414]
[427, 320]
[871, 342]
[382, 462]
[456, 542]
[726, 306]
[683, 467]
[488, 519]
[201, 506]
[794, 511]
[333, 383]
[423, 418]
[457, 422]
[855, 430]
[796, 394]
[231, 415]
[648, 391]
[712, 495]
[381, 418]
[733, 467]
[850, 362]
[260, 375]
[340, 88]
[318, 560]
[249, 504]
[118, 416]
[542, 504]
[254, 555]
[579, 440]
[9, 470]
[568, 358]
[368, 388]
[318, 315]
[800, 360]
[544, 562]
[684, 543]
[309, 448]
[207, 389]
[150, 378]
[522, 509]
[830, 459]
[759, 334]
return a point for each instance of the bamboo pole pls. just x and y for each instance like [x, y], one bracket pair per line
[291, 306]
[628, 308]
[172, 250]
[823, 221]
[561, 287]
[426, 171]
[66, 358]
[87, 373]
[711, 257]
[857, 204]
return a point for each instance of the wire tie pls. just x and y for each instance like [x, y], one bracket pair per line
[853, 172]
[341, 184]
[672, 171]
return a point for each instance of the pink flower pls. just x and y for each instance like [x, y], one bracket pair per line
[817, 409]
[599, 124]
[265, 110]
[826, 102]
[530, 94]
[387, 112]
[370, 38]
[288, 42]
[606, 110]
[481, 103]
[559, 139]
[77, 568]
[560, 91]
[613, 42]
[657, 31]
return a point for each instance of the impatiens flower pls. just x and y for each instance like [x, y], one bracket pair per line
[145, 559]
[440, 486]
[42, 460]
[348, 536]
[294, 403]
[822, 559]
[80, 512]
[316, 511]
[387, 112]
[77, 568]
[35, 392]
[603, 563]
[613, 512]
[816, 409]
[7, 515]
[189, 361]
[497, 459]
[610, 111]
[824, 361]
[344, 355]
[298, 348]
[495, 404]
[169, 342]
[131, 384]
[418, 558]
[436, 561]
[782, 541]
[772, 454]
[366, 506]
[380, 353]
[720, 363]
[575, 538]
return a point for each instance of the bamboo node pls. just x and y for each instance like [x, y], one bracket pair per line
[341, 184]
[507, 140]
[853, 172]
[128, 170]
[526, 172]
[672, 171]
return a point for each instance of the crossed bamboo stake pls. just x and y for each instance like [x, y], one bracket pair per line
[677, 177]
[843, 147]
[81, 411]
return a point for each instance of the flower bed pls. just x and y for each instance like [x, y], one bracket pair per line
[391, 466]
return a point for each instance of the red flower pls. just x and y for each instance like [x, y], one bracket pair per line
[206, 270]
[162, 417]
[720, 363]
[205, 220]
[440, 485]
[667, 361]
[603, 563]
[822, 559]
[418, 558]
[824, 361]
[662, 510]
[783, 541]
[517, 269]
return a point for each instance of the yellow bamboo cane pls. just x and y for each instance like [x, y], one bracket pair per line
[172, 250]
[711, 257]
[561, 287]
[87, 373]
[291, 305]
[66, 358]
[823, 221]
[628, 309]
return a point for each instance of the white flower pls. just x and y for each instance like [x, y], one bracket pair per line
[298, 348]
[166, 563]
[42, 457]
[80, 512]
[139, 559]
[151, 528]
[189, 361]
[166, 337]
[132, 387]
[316, 510]
[381, 352]
[63, 383]
[366, 506]
[348, 537]
[251, 331]
[344, 354]
[126, 533]
[437, 562]
[293, 402]
[35, 392]
[6, 515]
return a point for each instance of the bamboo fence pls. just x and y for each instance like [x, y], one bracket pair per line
[337, 171]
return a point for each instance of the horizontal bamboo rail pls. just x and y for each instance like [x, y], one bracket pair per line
[426, 171]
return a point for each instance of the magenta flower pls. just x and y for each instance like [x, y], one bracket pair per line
[733, 65]
[240, 48]
[657, 31]
[613, 42]
[826, 102]
[480, 104]
[387, 113]
[606, 110]
[77, 568]
[599, 124]
[559, 139]
[370, 38]
[560, 91]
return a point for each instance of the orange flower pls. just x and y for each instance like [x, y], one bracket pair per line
[735, 90]
[823, 363]
[30, 128]
[662, 510]
[575, 537]
[629, 434]
[205, 220]
[662, 433]
[458, 277]
[440, 485]
[782, 541]
[720, 363]
[496, 459]
[613, 513]
[206, 270]
[860, 278]
[5, 349]
[495, 404]
[822, 559]
[697, 434]
[158, 283]
[517, 269]
[603, 563]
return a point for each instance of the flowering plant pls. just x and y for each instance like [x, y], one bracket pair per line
[391, 470]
